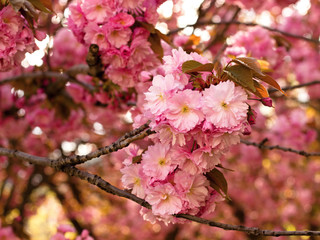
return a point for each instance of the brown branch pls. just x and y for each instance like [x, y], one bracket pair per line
[124, 141]
[289, 88]
[93, 60]
[220, 35]
[251, 24]
[250, 230]
[66, 76]
[285, 149]
[107, 187]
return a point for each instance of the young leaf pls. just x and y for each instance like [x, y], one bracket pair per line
[249, 62]
[156, 47]
[47, 4]
[241, 75]
[261, 91]
[188, 66]
[270, 81]
[39, 5]
[137, 159]
[194, 66]
[217, 181]
[220, 166]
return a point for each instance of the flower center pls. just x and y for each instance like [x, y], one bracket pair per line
[224, 105]
[162, 161]
[164, 196]
[185, 109]
[137, 181]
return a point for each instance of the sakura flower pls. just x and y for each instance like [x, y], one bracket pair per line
[205, 159]
[132, 150]
[131, 4]
[157, 162]
[162, 88]
[97, 10]
[173, 65]
[168, 135]
[193, 187]
[121, 20]
[184, 110]
[134, 179]
[120, 37]
[224, 105]
[96, 34]
[164, 199]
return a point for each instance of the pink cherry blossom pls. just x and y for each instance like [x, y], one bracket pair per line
[193, 187]
[157, 96]
[157, 162]
[164, 199]
[97, 10]
[184, 110]
[133, 178]
[224, 105]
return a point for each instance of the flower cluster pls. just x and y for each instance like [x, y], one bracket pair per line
[15, 40]
[258, 43]
[124, 48]
[194, 129]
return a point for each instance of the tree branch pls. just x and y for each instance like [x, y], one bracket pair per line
[250, 230]
[289, 88]
[285, 149]
[124, 141]
[107, 187]
[66, 76]
[251, 24]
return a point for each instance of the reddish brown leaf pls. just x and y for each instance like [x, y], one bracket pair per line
[218, 181]
[249, 62]
[194, 66]
[270, 81]
[47, 4]
[261, 91]
[241, 75]
[156, 47]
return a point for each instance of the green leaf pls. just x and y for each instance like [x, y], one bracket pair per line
[218, 181]
[270, 81]
[241, 75]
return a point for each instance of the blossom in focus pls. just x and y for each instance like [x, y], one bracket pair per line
[164, 199]
[224, 105]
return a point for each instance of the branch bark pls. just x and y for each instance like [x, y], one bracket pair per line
[289, 88]
[285, 149]
[124, 141]
[67, 76]
[251, 24]
[107, 187]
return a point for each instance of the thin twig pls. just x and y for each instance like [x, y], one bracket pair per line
[67, 76]
[289, 88]
[285, 149]
[124, 141]
[252, 24]
[220, 35]
[107, 187]
[250, 230]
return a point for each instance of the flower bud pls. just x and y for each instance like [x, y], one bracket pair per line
[266, 101]
[251, 116]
